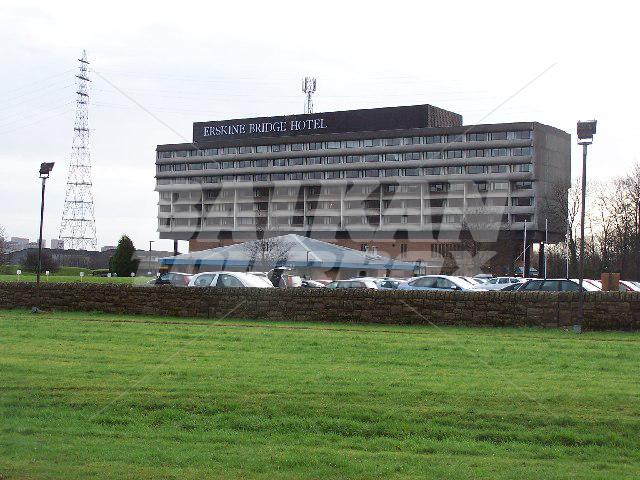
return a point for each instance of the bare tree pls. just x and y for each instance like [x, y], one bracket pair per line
[266, 253]
[3, 247]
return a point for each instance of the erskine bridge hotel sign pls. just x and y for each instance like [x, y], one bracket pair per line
[376, 119]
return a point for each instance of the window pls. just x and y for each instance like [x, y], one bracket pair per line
[261, 163]
[296, 147]
[474, 169]
[351, 143]
[181, 153]
[438, 187]
[227, 164]
[523, 167]
[412, 156]
[372, 173]
[244, 164]
[391, 142]
[279, 148]
[499, 136]
[524, 185]
[228, 178]
[456, 187]
[403, 249]
[480, 186]
[331, 160]
[353, 158]
[392, 157]
[411, 172]
[432, 170]
[179, 167]
[372, 142]
[279, 162]
[332, 175]
[165, 154]
[412, 140]
[498, 169]
[434, 155]
[230, 150]
[314, 161]
[228, 281]
[499, 186]
[244, 178]
[332, 145]
[521, 151]
[372, 158]
[454, 153]
[164, 168]
[295, 161]
[476, 137]
[262, 149]
[522, 134]
[351, 174]
[522, 218]
[522, 201]
[210, 151]
[433, 139]
[277, 176]
[315, 146]
[295, 176]
[245, 150]
[315, 175]
[452, 218]
[392, 172]
[454, 170]
[204, 280]
[499, 152]
[260, 178]
[455, 137]
[480, 152]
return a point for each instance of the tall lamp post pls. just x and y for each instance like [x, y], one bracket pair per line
[45, 170]
[586, 130]
[150, 242]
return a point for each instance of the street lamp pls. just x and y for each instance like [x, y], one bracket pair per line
[586, 130]
[45, 170]
[150, 242]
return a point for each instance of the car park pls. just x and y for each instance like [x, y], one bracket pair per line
[354, 283]
[437, 282]
[229, 280]
[176, 279]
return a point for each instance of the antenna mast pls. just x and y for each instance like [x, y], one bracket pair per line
[78, 228]
[309, 88]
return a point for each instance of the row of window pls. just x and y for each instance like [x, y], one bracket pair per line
[350, 174]
[375, 142]
[373, 220]
[359, 204]
[389, 157]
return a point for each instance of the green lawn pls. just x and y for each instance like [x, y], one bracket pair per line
[31, 277]
[102, 396]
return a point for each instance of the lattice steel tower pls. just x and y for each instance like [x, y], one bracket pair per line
[78, 228]
[309, 88]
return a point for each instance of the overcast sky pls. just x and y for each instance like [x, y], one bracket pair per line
[552, 62]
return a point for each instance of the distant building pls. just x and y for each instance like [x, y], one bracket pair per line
[56, 243]
[15, 244]
[106, 248]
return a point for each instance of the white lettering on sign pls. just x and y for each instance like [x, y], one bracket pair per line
[263, 127]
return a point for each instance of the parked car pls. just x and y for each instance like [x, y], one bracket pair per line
[176, 279]
[631, 286]
[355, 283]
[229, 279]
[512, 287]
[384, 283]
[498, 283]
[284, 277]
[556, 285]
[437, 282]
[311, 284]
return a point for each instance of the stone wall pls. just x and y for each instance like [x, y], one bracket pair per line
[603, 311]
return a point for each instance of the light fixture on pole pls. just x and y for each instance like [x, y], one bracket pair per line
[45, 170]
[585, 130]
[150, 242]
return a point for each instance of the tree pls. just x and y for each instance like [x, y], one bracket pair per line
[122, 262]
[267, 253]
[47, 261]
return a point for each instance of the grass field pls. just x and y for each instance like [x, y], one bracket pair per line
[100, 396]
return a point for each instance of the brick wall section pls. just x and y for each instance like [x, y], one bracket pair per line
[603, 311]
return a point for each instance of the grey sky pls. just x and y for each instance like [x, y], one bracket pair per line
[196, 61]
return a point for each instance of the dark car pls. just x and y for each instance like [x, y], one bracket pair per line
[554, 285]
[173, 278]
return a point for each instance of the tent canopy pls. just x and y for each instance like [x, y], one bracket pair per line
[300, 252]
